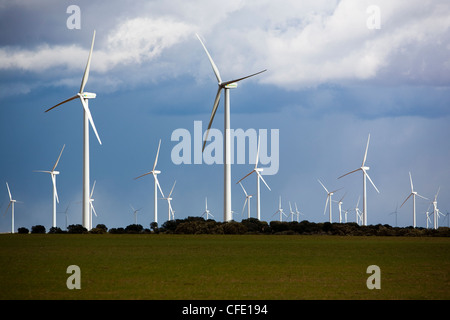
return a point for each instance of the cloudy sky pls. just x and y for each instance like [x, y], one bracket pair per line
[334, 76]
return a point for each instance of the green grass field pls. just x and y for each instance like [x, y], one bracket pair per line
[225, 267]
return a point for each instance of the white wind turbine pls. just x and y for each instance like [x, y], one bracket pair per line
[427, 213]
[413, 194]
[340, 207]
[135, 211]
[291, 212]
[246, 202]
[329, 194]
[53, 173]
[227, 137]
[280, 211]
[297, 212]
[364, 169]
[436, 211]
[11, 203]
[169, 199]
[155, 173]
[91, 206]
[207, 212]
[84, 98]
[396, 214]
[358, 213]
[258, 178]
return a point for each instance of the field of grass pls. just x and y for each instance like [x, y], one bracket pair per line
[225, 267]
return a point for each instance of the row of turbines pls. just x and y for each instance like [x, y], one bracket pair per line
[87, 193]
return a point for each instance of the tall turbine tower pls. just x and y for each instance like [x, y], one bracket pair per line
[11, 203]
[227, 216]
[329, 194]
[364, 170]
[53, 173]
[84, 98]
[413, 194]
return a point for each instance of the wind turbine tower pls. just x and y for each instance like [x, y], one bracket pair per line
[413, 194]
[226, 86]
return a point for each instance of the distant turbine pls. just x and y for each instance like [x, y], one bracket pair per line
[291, 213]
[428, 215]
[258, 189]
[358, 213]
[11, 203]
[396, 213]
[84, 98]
[280, 211]
[65, 213]
[53, 174]
[413, 194]
[340, 207]
[329, 194]
[91, 206]
[207, 212]
[246, 202]
[436, 212]
[155, 173]
[169, 199]
[364, 169]
[297, 212]
[227, 135]
[135, 211]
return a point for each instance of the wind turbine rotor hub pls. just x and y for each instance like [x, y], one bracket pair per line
[87, 95]
[231, 85]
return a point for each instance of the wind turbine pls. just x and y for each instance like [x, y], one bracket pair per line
[358, 213]
[11, 203]
[291, 213]
[436, 212]
[53, 173]
[413, 194]
[226, 85]
[329, 194]
[155, 173]
[84, 98]
[340, 207]
[168, 198]
[135, 211]
[428, 215]
[364, 169]
[396, 213]
[91, 206]
[258, 178]
[280, 211]
[65, 213]
[207, 212]
[297, 212]
[246, 202]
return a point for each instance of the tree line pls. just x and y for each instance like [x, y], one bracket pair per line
[198, 225]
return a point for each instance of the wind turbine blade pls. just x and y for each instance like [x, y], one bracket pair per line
[406, 199]
[54, 187]
[326, 204]
[9, 192]
[410, 179]
[159, 186]
[257, 154]
[93, 209]
[9, 204]
[263, 181]
[134, 210]
[243, 208]
[237, 80]
[143, 175]
[88, 66]
[157, 154]
[70, 99]
[422, 196]
[91, 121]
[370, 180]
[246, 195]
[323, 186]
[93, 186]
[246, 176]
[365, 154]
[214, 67]
[349, 173]
[42, 171]
[57, 161]
[213, 113]
[172, 189]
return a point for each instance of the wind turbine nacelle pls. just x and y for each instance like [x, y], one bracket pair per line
[156, 171]
[231, 85]
[55, 172]
[366, 168]
[88, 95]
